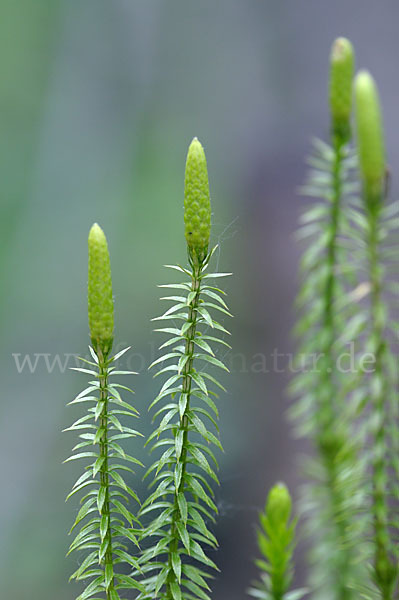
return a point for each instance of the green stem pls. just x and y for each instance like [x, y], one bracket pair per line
[104, 474]
[186, 389]
[383, 565]
[326, 415]
[330, 289]
[329, 439]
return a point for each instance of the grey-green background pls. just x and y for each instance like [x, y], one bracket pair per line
[99, 100]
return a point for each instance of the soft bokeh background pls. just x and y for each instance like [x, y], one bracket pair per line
[99, 100]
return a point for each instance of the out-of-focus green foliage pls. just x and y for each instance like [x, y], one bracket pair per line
[27, 38]
[341, 75]
[327, 324]
[347, 412]
[276, 541]
[370, 139]
[382, 387]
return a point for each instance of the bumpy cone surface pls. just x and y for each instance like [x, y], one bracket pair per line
[101, 306]
[341, 76]
[370, 138]
[197, 205]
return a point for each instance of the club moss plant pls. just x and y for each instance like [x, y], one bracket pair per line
[350, 415]
[178, 511]
[106, 526]
[186, 413]
[370, 141]
[330, 499]
[276, 541]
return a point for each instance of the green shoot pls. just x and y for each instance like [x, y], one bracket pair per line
[372, 171]
[106, 525]
[331, 500]
[276, 541]
[183, 499]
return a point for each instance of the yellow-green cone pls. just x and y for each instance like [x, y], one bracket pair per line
[101, 306]
[197, 205]
[278, 505]
[341, 75]
[370, 137]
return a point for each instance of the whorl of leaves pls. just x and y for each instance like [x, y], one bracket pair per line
[186, 414]
[374, 232]
[385, 565]
[106, 527]
[377, 229]
[276, 541]
[328, 325]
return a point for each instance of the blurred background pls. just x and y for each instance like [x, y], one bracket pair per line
[99, 100]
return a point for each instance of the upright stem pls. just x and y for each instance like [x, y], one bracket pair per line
[382, 566]
[326, 397]
[186, 390]
[328, 442]
[326, 414]
[330, 289]
[104, 475]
